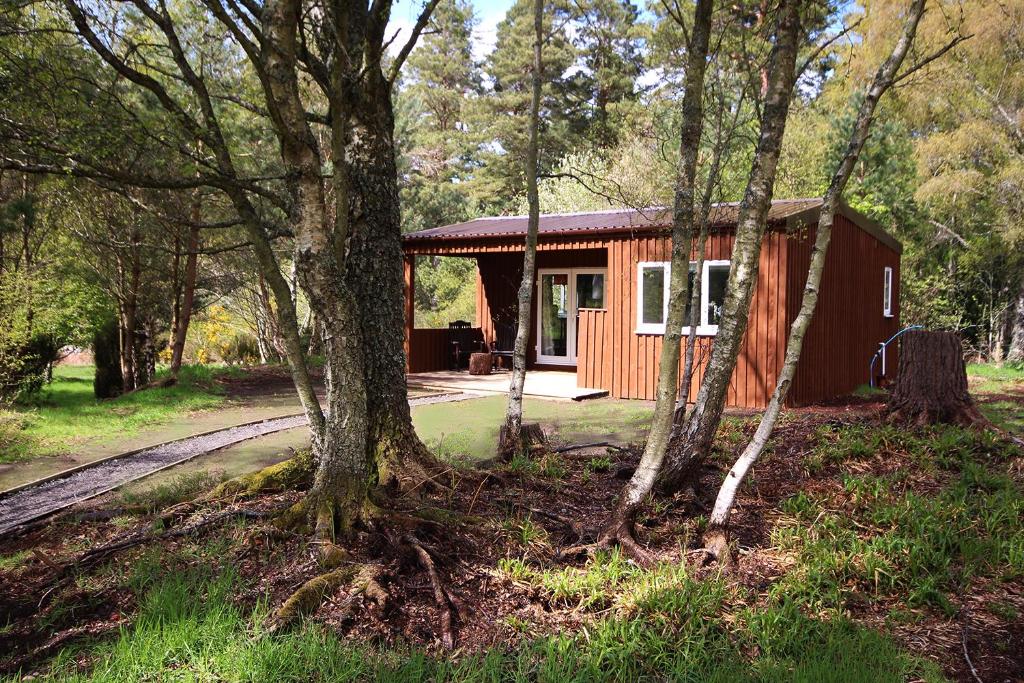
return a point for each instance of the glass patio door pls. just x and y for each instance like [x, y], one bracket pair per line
[562, 293]
[554, 318]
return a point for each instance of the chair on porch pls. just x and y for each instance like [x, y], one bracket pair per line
[504, 343]
[463, 340]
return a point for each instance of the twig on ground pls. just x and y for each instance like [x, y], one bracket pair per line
[967, 657]
[440, 596]
[580, 446]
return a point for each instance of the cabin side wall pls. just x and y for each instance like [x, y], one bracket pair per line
[633, 358]
[848, 324]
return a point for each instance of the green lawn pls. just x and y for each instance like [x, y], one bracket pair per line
[66, 412]
[469, 429]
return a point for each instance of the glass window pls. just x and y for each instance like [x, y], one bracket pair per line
[589, 290]
[717, 279]
[554, 320]
[652, 292]
[887, 292]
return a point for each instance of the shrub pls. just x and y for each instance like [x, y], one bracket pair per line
[24, 369]
[242, 349]
[107, 355]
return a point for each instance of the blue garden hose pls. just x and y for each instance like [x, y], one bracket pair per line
[881, 349]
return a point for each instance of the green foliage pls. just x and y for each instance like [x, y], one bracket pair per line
[179, 489]
[108, 381]
[888, 540]
[66, 412]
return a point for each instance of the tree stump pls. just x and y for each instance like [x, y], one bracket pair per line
[480, 364]
[531, 439]
[931, 384]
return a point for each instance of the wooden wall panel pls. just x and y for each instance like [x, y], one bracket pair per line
[613, 356]
[848, 325]
[428, 350]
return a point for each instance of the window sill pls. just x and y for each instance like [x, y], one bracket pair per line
[702, 331]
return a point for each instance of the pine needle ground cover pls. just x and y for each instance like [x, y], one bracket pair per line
[865, 553]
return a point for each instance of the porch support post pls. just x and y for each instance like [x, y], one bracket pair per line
[409, 271]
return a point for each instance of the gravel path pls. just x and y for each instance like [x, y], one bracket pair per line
[29, 504]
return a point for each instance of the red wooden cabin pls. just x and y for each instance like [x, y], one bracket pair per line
[601, 294]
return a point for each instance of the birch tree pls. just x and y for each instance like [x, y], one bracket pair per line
[716, 536]
[510, 439]
[693, 439]
[640, 484]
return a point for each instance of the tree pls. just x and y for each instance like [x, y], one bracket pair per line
[609, 42]
[716, 535]
[504, 110]
[510, 435]
[692, 440]
[683, 220]
[319, 85]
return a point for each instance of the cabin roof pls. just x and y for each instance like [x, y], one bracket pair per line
[723, 215]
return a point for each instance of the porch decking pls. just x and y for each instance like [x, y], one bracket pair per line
[541, 383]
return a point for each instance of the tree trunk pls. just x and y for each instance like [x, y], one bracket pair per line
[716, 537]
[931, 384]
[683, 216]
[188, 298]
[510, 435]
[175, 292]
[375, 276]
[691, 445]
[1015, 354]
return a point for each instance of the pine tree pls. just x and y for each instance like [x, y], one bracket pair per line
[505, 108]
[610, 44]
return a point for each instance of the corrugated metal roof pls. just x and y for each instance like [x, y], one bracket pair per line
[599, 221]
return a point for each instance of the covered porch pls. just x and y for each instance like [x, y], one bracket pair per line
[565, 353]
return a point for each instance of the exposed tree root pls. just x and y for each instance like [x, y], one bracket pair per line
[571, 524]
[60, 640]
[621, 533]
[531, 439]
[293, 473]
[96, 555]
[716, 546]
[310, 595]
[441, 598]
[580, 446]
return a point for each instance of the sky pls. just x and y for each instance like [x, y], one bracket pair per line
[488, 14]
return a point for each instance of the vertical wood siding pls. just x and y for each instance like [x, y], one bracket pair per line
[429, 350]
[611, 355]
[848, 324]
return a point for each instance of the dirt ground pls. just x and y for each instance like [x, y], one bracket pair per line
[479, 520]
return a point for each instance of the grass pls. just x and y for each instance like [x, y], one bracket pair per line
[878, 537]
[66, 412]
[190, 628]
[181, 488]
[992, 377]
[469, 430]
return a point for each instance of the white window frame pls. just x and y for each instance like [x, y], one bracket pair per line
[887, 292]
[703, 328]
[641, 326]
